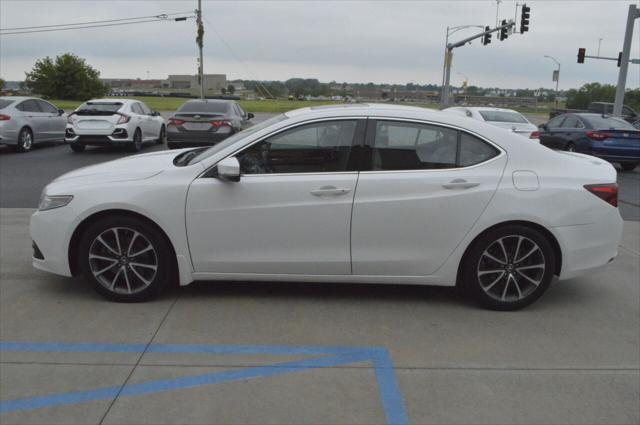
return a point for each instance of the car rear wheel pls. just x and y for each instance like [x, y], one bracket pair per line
[77, 148]
[570, 147]
[126, 259]
[628, 166]
[163, 136]
[136, 145]
[508, 267]
[25, 140]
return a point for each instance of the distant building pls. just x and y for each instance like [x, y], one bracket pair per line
[187, 84]
[212, 83]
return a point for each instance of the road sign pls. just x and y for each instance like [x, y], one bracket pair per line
[556, 75]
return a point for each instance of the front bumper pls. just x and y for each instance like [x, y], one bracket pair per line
[50, 233]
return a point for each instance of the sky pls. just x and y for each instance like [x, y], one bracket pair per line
[381, 41]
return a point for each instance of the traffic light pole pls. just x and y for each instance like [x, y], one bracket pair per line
[634, 13]
[448, 59]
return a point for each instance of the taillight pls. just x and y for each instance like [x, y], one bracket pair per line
[218, 124]
[4, 117]
[175, 121]
[534, 135]
[607, 192]
[124, 119]
[594, 135]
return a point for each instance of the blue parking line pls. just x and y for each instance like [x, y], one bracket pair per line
[389, 391]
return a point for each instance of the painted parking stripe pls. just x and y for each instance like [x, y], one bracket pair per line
[389, 391]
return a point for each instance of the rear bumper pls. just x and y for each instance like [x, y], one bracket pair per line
[617, 154]
[194, 138]
[589, 246]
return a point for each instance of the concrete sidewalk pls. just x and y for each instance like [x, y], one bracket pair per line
[573, 357]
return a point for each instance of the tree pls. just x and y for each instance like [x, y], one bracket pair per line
[1, 84]
[592, 92]
[223, 90]
[66, 77]
[231, 89]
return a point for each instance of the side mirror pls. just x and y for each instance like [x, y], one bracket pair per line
[250, 115]
[155, 113]
[60, 112]
[229, 169]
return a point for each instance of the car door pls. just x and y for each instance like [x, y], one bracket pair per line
[56, 122]
[425, 187]
[242, 116]
[290, 213]
[38, 120]
[570, 133]
[151, 122]
[144, 120]
[549, 134]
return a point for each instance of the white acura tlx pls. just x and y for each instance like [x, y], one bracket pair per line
[354, 193]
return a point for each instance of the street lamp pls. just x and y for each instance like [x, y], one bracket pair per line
[557, 76]
[444, 96]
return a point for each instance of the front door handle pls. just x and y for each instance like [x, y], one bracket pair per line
[329, 191]
[460, 184]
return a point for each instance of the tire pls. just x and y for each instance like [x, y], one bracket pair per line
[628, 166]
[108, 263]
[570, 147]
[508, 285]
[163, 136]
[136, 145]
[77, 148]
[25, 140]
[172, 145]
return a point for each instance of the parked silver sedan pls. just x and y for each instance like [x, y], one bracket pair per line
[25, 121]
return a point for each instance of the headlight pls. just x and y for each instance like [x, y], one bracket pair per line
[51, 202]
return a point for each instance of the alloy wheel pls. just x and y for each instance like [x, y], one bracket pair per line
[26, 140]
[511, 268]
[123, 260]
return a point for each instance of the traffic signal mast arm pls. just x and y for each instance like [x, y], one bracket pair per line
[461, 43]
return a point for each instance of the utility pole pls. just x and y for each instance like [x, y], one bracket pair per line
[199, 40]
[599, 43]
[634, 13]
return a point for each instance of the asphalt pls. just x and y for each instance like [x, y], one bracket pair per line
[276, 353]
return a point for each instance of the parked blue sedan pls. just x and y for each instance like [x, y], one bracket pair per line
[606, 137]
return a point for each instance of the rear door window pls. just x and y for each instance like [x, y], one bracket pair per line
[29, 106]
[556, 122]
[47, 107]
[145, 109]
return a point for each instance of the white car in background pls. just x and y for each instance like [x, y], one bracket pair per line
[114, 122]
[352, 193]
[503, 118]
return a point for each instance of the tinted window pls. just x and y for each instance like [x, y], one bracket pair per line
[570, 122]
[200, 106]
[145, 109]
[240, 110]
[29, 106]
[5, 102]
[556, 122]
[47, 107]
[606, 123]
[627, 111]
[313, 148]
[474, 151]
[99, 107]
[408, 146]
[137, 109]
[502, 116]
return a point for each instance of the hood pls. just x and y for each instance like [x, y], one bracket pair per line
[137, 167]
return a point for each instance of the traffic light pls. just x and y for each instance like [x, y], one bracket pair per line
[619, 59]
[524, 19]
[581, 52]
[504, 30]
[487, 37]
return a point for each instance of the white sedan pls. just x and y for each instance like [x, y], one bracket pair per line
[355, 193]
[503, 118]
[114, 122]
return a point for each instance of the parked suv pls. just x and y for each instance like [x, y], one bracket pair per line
[202, 122]
[25, 121]
[114, 122]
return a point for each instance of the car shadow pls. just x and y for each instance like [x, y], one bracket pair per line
[11, 149]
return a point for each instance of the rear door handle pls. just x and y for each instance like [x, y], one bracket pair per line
[460, 184]
[329, 191]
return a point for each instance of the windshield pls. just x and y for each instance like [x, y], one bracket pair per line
[5, 102]
[98, 107]
[238, 136]
[200, 106]
[609, 123]
[503, 116]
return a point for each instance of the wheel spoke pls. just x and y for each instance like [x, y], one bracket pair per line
[115, 279]
[506, 286]
[535, 266]
[100, 257]
[487, 288]
[535, 282]
[534, 249]
[115, 232]
[515, 282]
[494, 258]
[515, 256]
[126, 279]
[142, 251]
[148, 266]
[110, 266]
[99, 239]
[133, 239]
[144, 280]
[483, 272]
[504, 250]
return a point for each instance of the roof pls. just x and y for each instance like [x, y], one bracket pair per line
[17, 98]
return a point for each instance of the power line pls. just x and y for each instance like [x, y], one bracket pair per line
[160, 16]
[92, 26]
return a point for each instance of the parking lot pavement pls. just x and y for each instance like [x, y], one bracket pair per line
[276, 353]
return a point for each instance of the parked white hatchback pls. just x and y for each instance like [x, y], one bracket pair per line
[356, 193]
[503, 118]
[114, 122]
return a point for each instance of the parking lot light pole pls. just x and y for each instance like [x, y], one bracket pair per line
[200, 41]
[634, 13]
[557, 75]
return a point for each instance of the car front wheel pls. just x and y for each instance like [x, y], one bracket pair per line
[163, 136]
[125, 258]
[509, 267]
